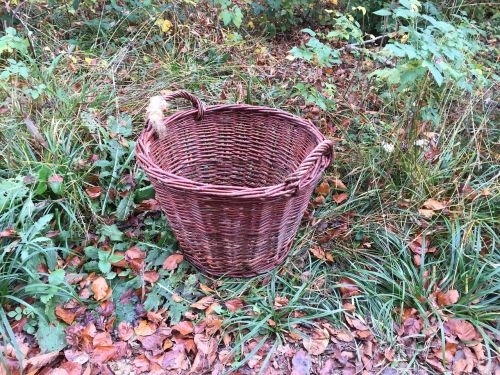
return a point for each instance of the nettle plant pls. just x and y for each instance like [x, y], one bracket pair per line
[424, 45]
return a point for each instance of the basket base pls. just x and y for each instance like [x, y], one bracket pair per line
[242, 272]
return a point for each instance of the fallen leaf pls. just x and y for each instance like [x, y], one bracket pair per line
[339, 198]
[100, 288]
[337, 184]
[125, 331]
[349, 288]
[426, 213]
[71, 368]
[320, 253]
[135, 253]
[172, 261]
[323, 188]
[389, 354]
[449, 298]
[344, 336]
[77, 356]
[94, 192]
[184, 327]
[280, 302]
[434, 205]
[9, 232]
[102, 354]
[145, 328]
[151, 276]
[65, 315]
[459, 366]
[234, 304]
[41, 360]
[463, 329]
[317, 342]
[175, 359]
[203, 303]
[102, 339]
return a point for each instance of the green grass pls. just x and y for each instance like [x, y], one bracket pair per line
[80, 105]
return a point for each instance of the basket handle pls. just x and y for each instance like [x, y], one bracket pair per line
[158, 104]
[323, 148]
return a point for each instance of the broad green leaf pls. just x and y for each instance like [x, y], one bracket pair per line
[51, 338]
[56, 277]
[383, 12]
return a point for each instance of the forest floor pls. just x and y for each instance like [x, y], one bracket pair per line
[394, 268]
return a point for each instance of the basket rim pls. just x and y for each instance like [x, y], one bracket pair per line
[147, 135]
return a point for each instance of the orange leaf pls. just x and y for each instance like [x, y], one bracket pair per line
[66, 316]
[206, 288]
[172, 261]
[100, 288]
[145, 328]
[339, 198]
[103, 353]
[102, 339]
[184, 327]
[42, 359]
[349, 289]
[323, 188]
[449, 298]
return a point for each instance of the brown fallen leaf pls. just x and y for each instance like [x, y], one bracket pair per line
[320, 253]
[100, 288]
[339, 198]
[349, 288]
[125, 331]
[94, 192]
[426, 213]
[449, 298]
[203, 303]
[337, 184]
[65, 315]
[234, 304]
[323, 188]
[184, 327]
[41, 360]
[434, 205]
[175, 359]
[73, 355]
[172, 261]
[280, 302]
[135, 252]
[317, 342]
[102, 339]
[145, 328]
[102, 354]
[71, 368]
[463, 329]
[206, 288]
[344, 336]
[151, 276]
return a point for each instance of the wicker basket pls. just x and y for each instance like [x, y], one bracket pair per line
[233, 180]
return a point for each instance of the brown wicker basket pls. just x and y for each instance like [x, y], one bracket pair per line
[233, 180]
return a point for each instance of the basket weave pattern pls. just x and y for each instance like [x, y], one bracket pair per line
[234, 182]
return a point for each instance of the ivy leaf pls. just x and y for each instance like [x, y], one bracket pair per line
[112, 232]
[226, 17]
[237, 17]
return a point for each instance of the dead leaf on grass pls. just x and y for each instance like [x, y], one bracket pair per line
[449, 298]
[65, 315]
[203, 303]
[234, 304]
[100, 288]
[317, 342]
[172, 261]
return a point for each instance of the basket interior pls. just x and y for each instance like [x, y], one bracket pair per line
[233, 148]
